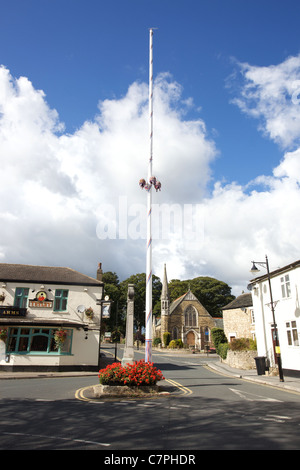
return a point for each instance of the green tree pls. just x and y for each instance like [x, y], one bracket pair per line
[116, 323]
[139, 282]
[212, 294]
[177, 288]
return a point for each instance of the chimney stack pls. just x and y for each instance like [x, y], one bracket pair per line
[99, 272]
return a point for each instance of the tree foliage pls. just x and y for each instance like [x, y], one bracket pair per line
[139, 281]
[210, 292]
[115, 324]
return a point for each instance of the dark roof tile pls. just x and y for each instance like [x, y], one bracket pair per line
[44, 274]
[243, 300]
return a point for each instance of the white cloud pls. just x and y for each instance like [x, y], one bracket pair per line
[55, 186]
[271, 95]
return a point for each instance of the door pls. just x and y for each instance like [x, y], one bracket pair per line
[190, 338]
[274, 345]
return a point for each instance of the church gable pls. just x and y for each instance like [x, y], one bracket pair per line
[185, 319]
[180, 304]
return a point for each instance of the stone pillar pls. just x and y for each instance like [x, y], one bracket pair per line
[128, 356]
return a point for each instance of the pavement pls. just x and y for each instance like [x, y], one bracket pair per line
[289, 383]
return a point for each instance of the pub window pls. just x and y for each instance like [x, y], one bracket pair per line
[21, 296]
[60, 302]
[36, 340]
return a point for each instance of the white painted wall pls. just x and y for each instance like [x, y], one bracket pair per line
[84, 351]
[287, 309]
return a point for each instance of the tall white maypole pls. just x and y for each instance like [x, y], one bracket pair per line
[148, 186]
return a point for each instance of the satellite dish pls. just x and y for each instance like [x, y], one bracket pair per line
[81, 309]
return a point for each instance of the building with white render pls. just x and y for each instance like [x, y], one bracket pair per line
[49, 318]
[285, 285]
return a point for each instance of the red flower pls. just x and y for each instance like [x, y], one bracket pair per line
[138, 373]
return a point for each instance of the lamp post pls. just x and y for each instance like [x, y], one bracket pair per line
[255, 270]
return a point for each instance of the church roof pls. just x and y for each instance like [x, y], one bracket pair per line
[187, 296]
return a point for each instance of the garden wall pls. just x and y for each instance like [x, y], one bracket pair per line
[241, 359]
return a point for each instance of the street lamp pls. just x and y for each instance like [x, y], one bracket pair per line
[255, 270]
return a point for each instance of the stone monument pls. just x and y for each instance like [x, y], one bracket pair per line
[128, 356]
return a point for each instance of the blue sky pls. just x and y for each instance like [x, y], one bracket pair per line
[79, 52]
[82, 53]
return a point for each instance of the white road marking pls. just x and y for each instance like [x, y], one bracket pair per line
[252, 397]
[57, 438]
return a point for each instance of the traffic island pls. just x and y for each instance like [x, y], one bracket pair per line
[102, 391]
[137, 379]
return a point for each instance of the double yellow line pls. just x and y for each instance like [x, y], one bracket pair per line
[79, 394]
[185, 390]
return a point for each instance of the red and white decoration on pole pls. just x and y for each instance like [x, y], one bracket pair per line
[147, 185]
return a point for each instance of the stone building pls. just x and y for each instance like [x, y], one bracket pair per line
[185, 319]
[238, 318]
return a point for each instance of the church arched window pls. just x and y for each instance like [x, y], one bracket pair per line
[190, 316]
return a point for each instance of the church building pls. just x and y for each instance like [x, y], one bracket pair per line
[185, 319]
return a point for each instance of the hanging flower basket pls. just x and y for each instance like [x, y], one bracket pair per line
[59, 337]
[3, 334]
[89, 312]
[2, 297]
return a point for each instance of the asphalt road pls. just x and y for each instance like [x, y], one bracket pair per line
[205, 411]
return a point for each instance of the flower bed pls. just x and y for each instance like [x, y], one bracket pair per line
[140, 373]
[135, 379]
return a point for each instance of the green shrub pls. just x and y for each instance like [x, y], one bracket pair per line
[156, 341]
[222, 349]
[220, 342]
[176, 343]
[218, 336]
[166, 338]
[242, 344]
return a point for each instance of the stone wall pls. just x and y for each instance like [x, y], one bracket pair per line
[241, 359]
[237, 323]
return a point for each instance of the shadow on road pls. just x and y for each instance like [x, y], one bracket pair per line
[167, 423]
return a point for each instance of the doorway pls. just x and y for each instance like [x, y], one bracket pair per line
[190, 338]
